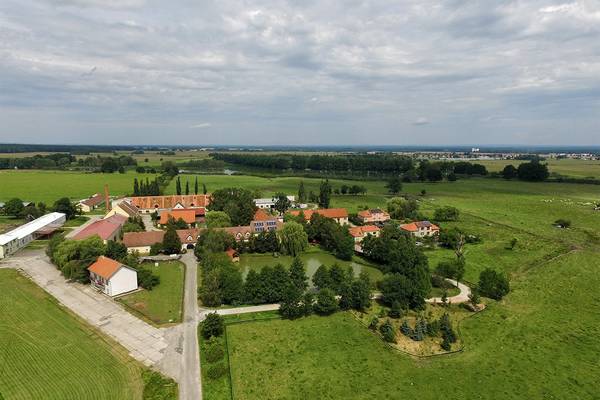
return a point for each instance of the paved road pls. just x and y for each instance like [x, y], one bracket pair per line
[190, 386]
[147, 219]
[462, 297]
[144, 342]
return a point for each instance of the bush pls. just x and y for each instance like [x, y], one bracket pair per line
[388, 332]
[214, 353]
[396, 310]
[493, 284]
[446, 214]
[213, 325]
[216, 371]
[562, 223]
[147, 279]
[326, 302]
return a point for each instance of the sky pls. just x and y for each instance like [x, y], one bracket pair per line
[310, 72]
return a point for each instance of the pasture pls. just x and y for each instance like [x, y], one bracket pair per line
[48, 186]
[164, 303]
[565, 167]
[49, 354]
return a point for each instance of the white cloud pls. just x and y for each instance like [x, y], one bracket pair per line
[421, 121]
[202, 125]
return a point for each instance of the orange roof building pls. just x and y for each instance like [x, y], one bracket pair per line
[340, 215]
[158, 203]
[189, 216]
[421, 229]
[111, 277]
[373, 215]
[360, 232]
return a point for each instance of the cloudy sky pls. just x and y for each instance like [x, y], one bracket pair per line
[300, 72]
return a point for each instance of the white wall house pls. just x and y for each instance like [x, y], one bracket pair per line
[20, 237]
[111, 277]
[269, 203]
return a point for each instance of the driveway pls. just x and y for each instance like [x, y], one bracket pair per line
[145, 343]
[462, 297]
[147, 219]
[239, 310]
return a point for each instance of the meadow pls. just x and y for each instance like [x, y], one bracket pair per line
[48, 353]
[565, 167]
[48, 186]
[164, 303]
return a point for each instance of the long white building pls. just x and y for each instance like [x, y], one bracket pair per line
[20, 237]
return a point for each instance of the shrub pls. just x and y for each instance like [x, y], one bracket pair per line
[396, 310]
[147, 279]
[214, 353]
[213, 325]
[388, 332]
[493, 284]
[216, 371]
[562, 223]
[446, 214]
[373, 324]
[326, 302]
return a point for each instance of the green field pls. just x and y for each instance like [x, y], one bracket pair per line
[566, 167]
[313, 259]
[48, 186]
[164, 303]
[46, 353]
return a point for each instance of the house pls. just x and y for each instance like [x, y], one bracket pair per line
[340, 215]
[91, 203]
[107, 229]
[269, 203]
[240, 233]
[361, 232]
[187, 215]
[233, 255]
[124, 209]
[375, 215]
[421, 229]
[149, 204]
[264, 222]
[111, 277]
[21, 236]
[142, 241]
[188, 237]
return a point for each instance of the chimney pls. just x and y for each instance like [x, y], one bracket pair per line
[106, 198]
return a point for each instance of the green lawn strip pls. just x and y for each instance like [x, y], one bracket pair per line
[214, 389]
[158, 387]
[47, 352]
[77, 221]
[163, 304]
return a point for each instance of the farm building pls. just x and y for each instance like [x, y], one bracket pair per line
[21, 236]
[340, 215]
[421, 229]
[107, 229]
[148, 204]
[373, 216]
[269, 203]
[187, 215]
[111, 277]
[124, 209]
[142, 241]
[91, 203]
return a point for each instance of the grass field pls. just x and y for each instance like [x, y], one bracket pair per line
[48, 186]
[313, 259]
[164, 303]
[45, 353]
[567, 167]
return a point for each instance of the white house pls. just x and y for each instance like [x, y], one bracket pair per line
[269, 203]
[20, 237]
[111, 277]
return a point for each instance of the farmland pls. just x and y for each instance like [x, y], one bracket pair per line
[47, 353]
[48, 186]
[567, 167]
[163, 304]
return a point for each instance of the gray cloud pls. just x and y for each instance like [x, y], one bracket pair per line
[275, 71]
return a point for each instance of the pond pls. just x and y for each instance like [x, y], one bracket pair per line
[312, 259]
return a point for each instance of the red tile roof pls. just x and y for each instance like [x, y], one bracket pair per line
[189, 216]
[360, 231]
[93, 200]
[169, 202]
[142, 239]
[105, 228]
[188, 236]
[105, 267]
[326, 212]
[262, 215]
[414, 226]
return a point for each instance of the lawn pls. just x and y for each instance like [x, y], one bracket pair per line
[538, 343]
[48, 186]
[164, 303]
[46, 353]
[313, 259]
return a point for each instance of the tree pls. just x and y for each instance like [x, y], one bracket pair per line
[136, 187]
[187, 187]
[398, 288]
[121, 170]
[401, 208]
[293, 238]
[238, 203]
[509, 172]
[204, 190]
[147, 279]
[64, 205]
[533, 171]
[446, 214]
[254, 288]
[324, 194]
[282, 203]
[321, 278]
[493, 284]
[396, 310]
[231, 284]
[196, 186]
[360, 293]
[453, 269]
[326, 303]
[213, 325]
[213, 240]
[474, 297]
[291, 306]
[178, 186]
[388, 332]
[301, 193]
[210, 293]
[394, 185]
[217, 219]
[109, 165]
[171, 242]
[116, 250]
[298, 275]
[14, 207]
